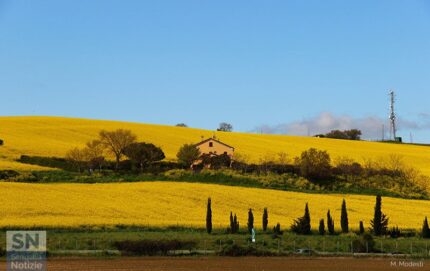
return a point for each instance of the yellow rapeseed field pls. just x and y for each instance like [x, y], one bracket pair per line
[54, 136]
[167, 203]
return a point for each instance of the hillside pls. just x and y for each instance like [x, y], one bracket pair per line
[54, 136]
[167, 203]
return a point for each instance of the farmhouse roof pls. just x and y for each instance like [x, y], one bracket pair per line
[211, 138]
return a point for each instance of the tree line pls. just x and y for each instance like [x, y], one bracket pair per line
[302, 225]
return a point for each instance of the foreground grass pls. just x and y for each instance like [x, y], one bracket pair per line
[164, 204]
[104, 239]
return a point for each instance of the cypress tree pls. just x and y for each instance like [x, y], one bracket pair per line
[307, 217]
[265, 219]
[379, 223]
[236, 224]
[426, 229]
[302, 225]
[250, 220]
[322, 227]
[209, 217]
[330, 224]
[344, 218]
[361, 227]
[231, 222]
[277, 229]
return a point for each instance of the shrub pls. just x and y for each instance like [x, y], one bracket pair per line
[394, 232]
[277, 229]
[1, 142]
[8, 174]
[53, 162]
[152, 247]
[364, 244]
[216, 161]
[235, 250]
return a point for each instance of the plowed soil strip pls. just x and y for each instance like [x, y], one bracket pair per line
[233, 264]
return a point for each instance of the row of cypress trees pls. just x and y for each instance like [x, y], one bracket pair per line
[302, 225]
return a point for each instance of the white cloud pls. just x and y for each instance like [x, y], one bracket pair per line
[371, 126]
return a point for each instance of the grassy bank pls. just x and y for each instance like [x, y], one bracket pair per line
[219, 241]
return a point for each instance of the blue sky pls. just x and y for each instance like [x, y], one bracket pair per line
[271, 66]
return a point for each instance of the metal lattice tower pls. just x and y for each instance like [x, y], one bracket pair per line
[392, 116]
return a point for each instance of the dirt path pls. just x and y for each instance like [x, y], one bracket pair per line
[227, 264]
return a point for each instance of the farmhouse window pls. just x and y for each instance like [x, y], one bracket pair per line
[211, 144]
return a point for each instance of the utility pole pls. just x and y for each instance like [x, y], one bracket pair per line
[383, 132]
[392, 115]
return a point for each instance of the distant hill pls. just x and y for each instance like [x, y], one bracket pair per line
[53, 136]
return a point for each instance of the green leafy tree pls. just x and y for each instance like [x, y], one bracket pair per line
[352, 134]
[216, 161]
[143, 154]
[265, 219]
[321, 229]
[330, 224]
[379, 223]
[225, 127]
[188, 154]
[314, 165]
[426, 230]
[302, 225]
[344, 218]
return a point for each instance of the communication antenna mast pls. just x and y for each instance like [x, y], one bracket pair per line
[392, 115]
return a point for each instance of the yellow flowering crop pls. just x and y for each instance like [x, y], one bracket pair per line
[54, 136]
[169, 203]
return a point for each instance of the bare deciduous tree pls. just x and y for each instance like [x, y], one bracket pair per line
[116, 142]
[76, 156]
[94, 151]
